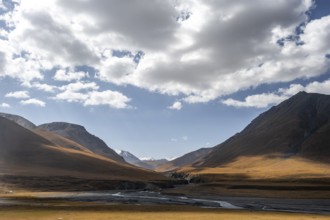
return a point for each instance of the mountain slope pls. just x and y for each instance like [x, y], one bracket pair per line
[60, 140]
[25, 153]
[80, 135]
[19, 120]
[298, 127]
[185, 160]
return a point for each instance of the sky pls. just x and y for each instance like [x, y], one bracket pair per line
[160, 78]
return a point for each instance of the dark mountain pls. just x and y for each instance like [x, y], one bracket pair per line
[298, 127]
[185, 160]
[19, 120]
[27, 158]
[80, 135]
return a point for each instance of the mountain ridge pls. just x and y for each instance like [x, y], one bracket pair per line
[284, 130]
[80, 135]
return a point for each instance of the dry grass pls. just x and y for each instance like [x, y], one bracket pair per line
[127, 212]
[261, 167]
[261, 176]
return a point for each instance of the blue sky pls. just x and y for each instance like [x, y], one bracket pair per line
[160, 78]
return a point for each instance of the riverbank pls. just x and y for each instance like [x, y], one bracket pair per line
[147, 198]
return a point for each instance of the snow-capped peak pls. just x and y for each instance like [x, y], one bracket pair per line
[147, 158]
[117, 151]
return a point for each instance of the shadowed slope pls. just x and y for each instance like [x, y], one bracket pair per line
[60, 140]
[185, 160]
[24, 153]
[80, 135]
[297, 127]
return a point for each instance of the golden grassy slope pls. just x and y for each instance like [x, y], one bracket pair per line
[262, 167]
[60, 140]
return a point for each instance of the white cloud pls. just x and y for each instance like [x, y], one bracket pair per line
[64, 75]
[87, 94]
[71, 96]
[78, 86]
[116, 70]
[18, 95]
[4, 105]
[200, 49]
[44, 87]
[257, 101]
[111, 98]
[40, 86]
[266, 99]
[33, 101]
[312, 87]
[176, 106]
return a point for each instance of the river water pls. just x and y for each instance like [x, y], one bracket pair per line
[321, 206]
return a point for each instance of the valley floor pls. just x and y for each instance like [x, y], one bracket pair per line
[127, 212]
[140, 204]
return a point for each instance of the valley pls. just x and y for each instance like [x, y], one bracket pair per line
[278, 163]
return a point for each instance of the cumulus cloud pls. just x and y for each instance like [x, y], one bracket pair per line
[266, 99]
[176, 106]
[44, 87]
[33, 101]
[18, 95]
[116, 69]
[111, 98]
[64, 75]
[87, 93]
[258, 101]
[4, 105]
[201, 50]
[40, 86]
[78, 86]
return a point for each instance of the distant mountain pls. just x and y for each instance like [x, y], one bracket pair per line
[80, 135]
[128, 157]
[132, 159]
[299, 126]
[19, 120]
[185, 160]
[154, 163]
[30, 160]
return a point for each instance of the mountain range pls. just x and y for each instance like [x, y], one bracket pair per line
[290, 141]
[146, 163]
[36, 157]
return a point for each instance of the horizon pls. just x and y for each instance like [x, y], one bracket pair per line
[178, 77]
